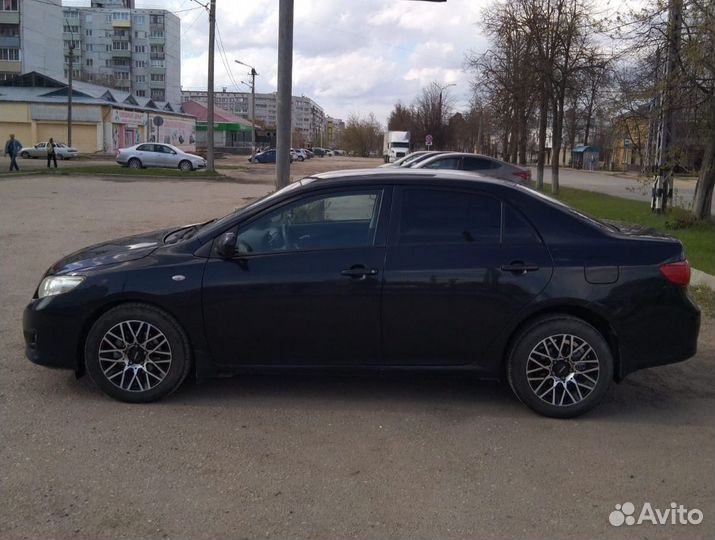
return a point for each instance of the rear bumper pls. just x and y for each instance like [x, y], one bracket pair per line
[665, 334]
[51, 335]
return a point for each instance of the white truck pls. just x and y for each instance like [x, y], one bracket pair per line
[396, 145]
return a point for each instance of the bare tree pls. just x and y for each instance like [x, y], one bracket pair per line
[362, 136]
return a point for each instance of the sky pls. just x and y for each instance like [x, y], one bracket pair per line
[350, 56]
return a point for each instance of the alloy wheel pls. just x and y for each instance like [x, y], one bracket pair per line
[134, 356]
[562, 369]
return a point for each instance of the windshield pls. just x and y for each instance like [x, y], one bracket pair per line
[400, 145]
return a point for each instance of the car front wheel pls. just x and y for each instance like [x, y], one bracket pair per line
[560, 366]
[25, 155]
[137, 353]
[186, 166]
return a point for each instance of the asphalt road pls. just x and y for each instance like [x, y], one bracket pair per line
[315, 456]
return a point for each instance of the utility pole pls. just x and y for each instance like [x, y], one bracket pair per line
[285, 91]
[253, 108]
[70, 65]
[210, 90]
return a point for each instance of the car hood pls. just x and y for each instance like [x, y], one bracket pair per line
[193, 156]
[129, 248]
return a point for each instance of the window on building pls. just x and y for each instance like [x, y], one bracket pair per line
[89, 62]
[74, 43]
[108, 62]
[157, 48]
[10, 55]
[139, 20]
[140, 78]
[120, 16]
[121, 75]
[140, 63]
[9, 30]
[157, 94]
[156, 19]
[156, 34]
[89, 46]
[70, 28]
[8, 5]
[139, 48]
[141, 93]
[157, 77]
[157, 63]
[120, 45]
[88, 32]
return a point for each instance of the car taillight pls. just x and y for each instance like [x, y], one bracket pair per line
[524, 175]
[678, 273]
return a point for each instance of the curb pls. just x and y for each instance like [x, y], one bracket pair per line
[698, 277]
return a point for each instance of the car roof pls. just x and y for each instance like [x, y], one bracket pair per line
[468, 154]
[391, 174]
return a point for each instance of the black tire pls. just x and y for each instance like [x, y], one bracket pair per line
[134, 163]
[185, 166]
[25, 155]
[570, 366]
[101, 370]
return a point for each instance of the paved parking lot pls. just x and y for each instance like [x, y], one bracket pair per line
[315, 456]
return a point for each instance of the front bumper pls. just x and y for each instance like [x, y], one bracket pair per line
[51, 334]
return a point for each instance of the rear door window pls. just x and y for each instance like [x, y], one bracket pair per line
[434, 216]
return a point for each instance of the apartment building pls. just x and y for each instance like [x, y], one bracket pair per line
[30, 37]
[309, 118]
[116, 45]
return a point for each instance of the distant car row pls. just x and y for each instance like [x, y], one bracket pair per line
[62, 151]
[463, 161]
[296, 154]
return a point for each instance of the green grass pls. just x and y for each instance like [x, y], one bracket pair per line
[126, 171]
[697, 237]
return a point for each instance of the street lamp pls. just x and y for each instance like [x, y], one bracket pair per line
[253, 107]
[442, 89]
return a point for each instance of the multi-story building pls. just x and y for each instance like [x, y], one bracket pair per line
[135, 50]
[30, 37]
[309, 118]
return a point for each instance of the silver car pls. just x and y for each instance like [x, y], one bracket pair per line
[62, 151]
[159, 155]
[484, 165]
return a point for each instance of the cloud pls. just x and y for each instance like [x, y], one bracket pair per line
[349, 56]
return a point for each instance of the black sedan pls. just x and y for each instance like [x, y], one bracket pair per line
[374, 269]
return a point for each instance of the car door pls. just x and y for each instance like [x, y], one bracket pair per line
[165, 156]
[459, 266]
[304, 288]
[146, 154]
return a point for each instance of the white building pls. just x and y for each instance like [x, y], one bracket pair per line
[30, 37]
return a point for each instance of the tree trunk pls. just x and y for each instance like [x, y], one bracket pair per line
[543, 122]
[702, 202]
[557, 126]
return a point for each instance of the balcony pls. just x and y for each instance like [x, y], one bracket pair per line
[117, 53]
[9, 17]
[120, 23]
[8, 66]
[157, 40]
[10, 42]
[157, 56]
[157, 84]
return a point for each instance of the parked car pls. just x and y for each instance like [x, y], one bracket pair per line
[298, 154]
[62, 151]
[320, 152]
[308, 153]
[329, 152]
[158, 155]
[269, 156]
[407, 160]
[478, 163]
[433, 269]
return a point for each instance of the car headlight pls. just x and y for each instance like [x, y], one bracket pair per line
[53, 285]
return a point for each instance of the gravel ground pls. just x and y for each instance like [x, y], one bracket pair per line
[315, 456]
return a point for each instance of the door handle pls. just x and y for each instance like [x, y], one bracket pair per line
[519, 267]
[359, 271]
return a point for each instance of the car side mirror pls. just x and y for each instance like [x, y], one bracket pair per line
[226, 245]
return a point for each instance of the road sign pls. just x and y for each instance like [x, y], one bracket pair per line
[428, 140]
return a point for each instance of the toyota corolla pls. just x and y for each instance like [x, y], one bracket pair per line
[378, 269]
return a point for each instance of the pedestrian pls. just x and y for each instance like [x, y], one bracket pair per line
[51, 154]
[12, 149]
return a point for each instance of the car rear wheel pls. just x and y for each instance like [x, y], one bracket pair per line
[134, 163]
[137, 353]
[560, 366]
[186, 166]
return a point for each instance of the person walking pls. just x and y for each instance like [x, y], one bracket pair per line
[51, 153]
[12, 149]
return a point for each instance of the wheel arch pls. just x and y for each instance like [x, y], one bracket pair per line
[591, 316]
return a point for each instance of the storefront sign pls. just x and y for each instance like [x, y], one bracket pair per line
[129, 118]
